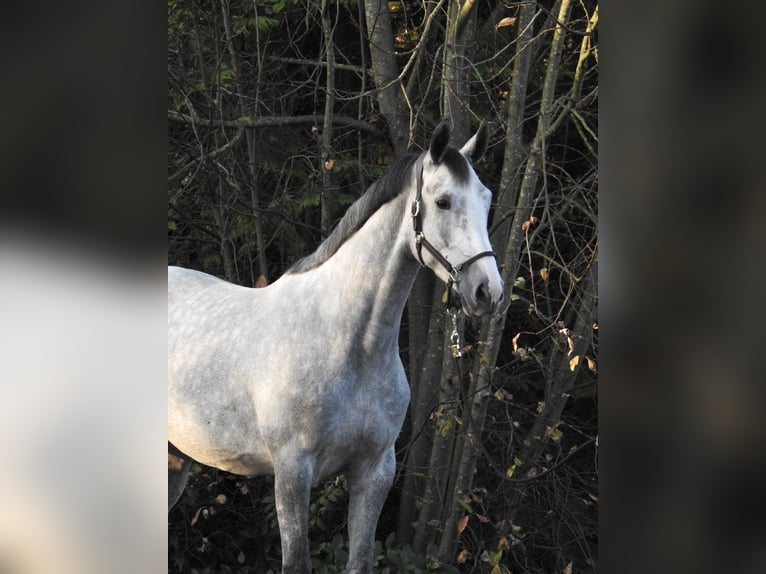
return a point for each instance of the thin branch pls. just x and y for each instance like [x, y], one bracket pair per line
[276, 121]
[215, 153]
[494, 465]
[361, 70]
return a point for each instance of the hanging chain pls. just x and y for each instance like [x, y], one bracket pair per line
[454, 336]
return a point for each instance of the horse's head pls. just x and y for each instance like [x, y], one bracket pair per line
[449, 214]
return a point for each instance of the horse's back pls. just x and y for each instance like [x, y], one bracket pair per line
[194, 296]
[201, 307]
[182, 281]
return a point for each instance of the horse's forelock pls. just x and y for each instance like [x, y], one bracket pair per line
[457, 164]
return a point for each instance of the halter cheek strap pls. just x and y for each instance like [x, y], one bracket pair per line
[454, 271]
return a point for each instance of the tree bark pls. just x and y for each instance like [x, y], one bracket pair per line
[515, 151]
[461, 21]
[386, 73]
[326, 159]
[425, 352]
[444, 431]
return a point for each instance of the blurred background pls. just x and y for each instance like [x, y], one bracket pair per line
[82, 288]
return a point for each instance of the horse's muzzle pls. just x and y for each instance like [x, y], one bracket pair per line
[481, 297]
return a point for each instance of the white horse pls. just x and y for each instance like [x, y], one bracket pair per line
[302, 379]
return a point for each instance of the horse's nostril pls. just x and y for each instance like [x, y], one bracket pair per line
[482, 294]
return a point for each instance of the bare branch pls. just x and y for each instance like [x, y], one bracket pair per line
[276, 121]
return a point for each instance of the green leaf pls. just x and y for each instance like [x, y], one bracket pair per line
[464, 504]
[446, 426]
[516, 463]
[312, 200]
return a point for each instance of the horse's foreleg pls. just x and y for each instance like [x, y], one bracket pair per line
[368, 487]
[292, 490]
[178, 471]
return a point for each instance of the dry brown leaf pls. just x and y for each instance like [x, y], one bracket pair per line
[529, 223]
[462, 523]
[515, 342]
[462, 556]
[507, 21]
[573, 362]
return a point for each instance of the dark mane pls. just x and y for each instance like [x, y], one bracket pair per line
[386, 188]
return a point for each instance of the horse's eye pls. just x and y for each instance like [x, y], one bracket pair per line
[443, 203]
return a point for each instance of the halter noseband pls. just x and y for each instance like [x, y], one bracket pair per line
[453, 271]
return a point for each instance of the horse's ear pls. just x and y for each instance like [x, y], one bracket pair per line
[439, 141]
[477, 145]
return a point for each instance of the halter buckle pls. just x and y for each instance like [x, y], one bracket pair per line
[415, 208]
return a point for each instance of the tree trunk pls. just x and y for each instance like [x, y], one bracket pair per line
[493, 327]
[515, 151]
[425, 369]
[326, 158]
[461, 21]
[386, 73]
[444, 430]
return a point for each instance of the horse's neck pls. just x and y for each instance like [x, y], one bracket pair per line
[373, 273]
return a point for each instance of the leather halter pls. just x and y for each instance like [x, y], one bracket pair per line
[453, 271]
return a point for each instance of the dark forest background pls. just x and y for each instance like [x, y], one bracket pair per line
[281, 113]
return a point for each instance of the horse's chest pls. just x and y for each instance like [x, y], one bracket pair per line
[365, 426]
[376, 417]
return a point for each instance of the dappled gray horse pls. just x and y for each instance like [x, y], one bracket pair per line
[302, 379]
